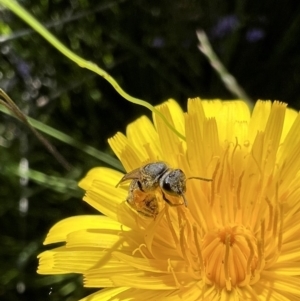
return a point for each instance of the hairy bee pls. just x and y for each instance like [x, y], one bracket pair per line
[145, 203]
[151, 178]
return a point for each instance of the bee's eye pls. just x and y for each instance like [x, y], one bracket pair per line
[173, 182]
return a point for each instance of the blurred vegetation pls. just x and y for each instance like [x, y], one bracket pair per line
[151, 49]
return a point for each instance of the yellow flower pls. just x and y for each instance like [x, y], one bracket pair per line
[239, 237]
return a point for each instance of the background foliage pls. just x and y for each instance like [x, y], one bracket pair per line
[150, 48]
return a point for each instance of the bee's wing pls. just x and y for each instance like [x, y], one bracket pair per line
[134, 174]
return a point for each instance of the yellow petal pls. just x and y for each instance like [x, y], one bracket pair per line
[272, 134]
[212, 108]
[285, 269]
[95, 238]
[128, 154]
[63, 228]
[102, 193]
[290, 117]
[149, 281]
[142, 134]
[171, 144]
[232, 118]
[267, 293]
[107, 294]
[176, 114]
[152, 265]
[97, 174]
[202, 139]
[259, 118]
[283, 285]
[127, 294]
[63, 260]
[289, 155]
[198, 291]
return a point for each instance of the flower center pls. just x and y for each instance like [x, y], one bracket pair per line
[231, 256]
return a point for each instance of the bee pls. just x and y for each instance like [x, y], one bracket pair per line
[151, 178]
[145, 203]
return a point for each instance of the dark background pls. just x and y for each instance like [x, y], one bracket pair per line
[150, 48]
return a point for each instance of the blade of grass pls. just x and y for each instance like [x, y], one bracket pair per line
[38, 27]
[59, 184]
[229, 81]
[71, 141]
[67, 19]
[7, 102]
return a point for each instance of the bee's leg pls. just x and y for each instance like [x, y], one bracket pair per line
[169, 202]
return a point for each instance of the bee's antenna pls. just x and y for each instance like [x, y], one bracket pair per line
[118, 184]
[199, 178]
[122, 180]
[190, 178]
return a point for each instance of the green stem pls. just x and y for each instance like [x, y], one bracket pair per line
[30, 20]
[70, 141]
